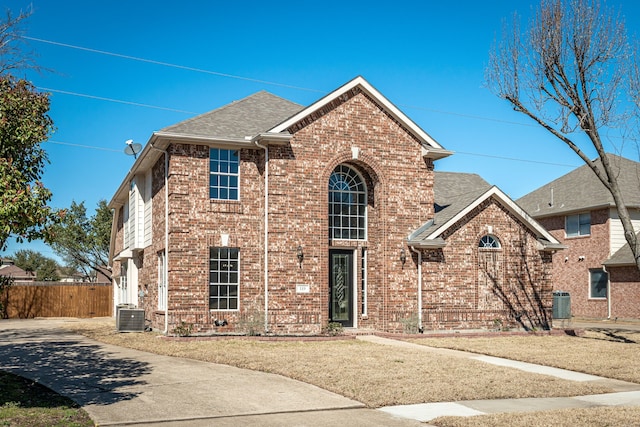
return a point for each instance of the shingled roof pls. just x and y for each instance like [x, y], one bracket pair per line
[456, 194]
[581, 190]
[249, 116]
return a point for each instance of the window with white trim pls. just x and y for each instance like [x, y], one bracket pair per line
[598, 283]
[162, 281]
[489, 242]
[224, 174]
[124, 294]
[347, 205]
[224, 272]
[578, 225]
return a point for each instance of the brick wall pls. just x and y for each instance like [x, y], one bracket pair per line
[466, 287]
[625, 292]
[572, 275]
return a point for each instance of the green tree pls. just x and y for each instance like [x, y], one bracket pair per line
[29, 260]
[574, 72]
[83, 242]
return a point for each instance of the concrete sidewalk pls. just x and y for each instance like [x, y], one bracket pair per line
[119, 386]
[626, 393]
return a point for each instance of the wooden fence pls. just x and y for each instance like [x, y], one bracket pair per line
[57, 299]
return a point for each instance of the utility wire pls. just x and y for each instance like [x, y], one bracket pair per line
[100, 98]
[167, 64]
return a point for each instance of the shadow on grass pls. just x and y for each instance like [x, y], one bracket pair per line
[86, 373]
[616, 335]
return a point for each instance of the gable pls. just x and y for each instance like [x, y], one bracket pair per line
[454, 214]
[430, 148]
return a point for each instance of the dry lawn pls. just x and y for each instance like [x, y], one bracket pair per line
[376, 375]
[589, 417]
[610, 354]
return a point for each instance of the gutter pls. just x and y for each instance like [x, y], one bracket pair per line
[266, 234]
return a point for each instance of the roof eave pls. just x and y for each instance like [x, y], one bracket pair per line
[437, 243]
[435, 153]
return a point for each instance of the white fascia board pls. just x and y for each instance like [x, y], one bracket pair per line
[372, 92]
[506, 202]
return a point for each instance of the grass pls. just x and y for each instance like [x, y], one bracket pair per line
[605, 353]
[26, 403]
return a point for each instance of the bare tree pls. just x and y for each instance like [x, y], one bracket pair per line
[14, 54]
[573, 72]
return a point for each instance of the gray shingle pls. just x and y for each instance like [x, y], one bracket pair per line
[247, 117]
[580, 189]
[453, 192]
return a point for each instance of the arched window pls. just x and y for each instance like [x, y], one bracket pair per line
[489, 242]
[347, 204]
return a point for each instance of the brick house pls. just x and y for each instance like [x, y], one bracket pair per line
[597, 268]
[283, 218]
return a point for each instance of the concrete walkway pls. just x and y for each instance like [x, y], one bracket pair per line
[626, 393]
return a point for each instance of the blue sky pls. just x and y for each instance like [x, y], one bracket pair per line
[427, 57]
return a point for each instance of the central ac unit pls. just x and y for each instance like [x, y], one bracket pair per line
[130, 320]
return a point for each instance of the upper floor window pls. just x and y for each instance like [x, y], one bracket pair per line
[489, 242]
[224, 174]
[347, 204]
[578, 225]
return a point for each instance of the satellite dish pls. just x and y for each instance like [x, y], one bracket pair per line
[132, 148]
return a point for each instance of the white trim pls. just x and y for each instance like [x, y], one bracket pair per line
[508, 203]
[373, 93]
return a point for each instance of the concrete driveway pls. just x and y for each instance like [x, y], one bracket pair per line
[119, 386]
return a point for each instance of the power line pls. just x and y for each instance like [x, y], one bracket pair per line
[167, 64]
[100, 98]
[233, 76]
[92, 147]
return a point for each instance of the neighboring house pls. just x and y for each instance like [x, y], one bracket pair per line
[9, 269]
[270, 215]
[597, 268]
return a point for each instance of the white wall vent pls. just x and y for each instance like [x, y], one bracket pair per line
[130, 320]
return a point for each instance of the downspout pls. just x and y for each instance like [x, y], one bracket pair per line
[166, 239]
[420, 328]
[266, 234]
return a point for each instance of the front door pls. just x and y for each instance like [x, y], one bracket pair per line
[341, 286]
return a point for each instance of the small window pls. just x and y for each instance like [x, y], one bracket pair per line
[599, 281]
[224, 269]
[578, 225]
[489, 242]
[224, 175]
[162, 281]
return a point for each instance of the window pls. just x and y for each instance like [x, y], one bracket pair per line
[599, 280]
[124, 294]
[223, 174]
[224, 268]
[162, 281]
[578, 225]
[347, 205]
[489, 242]
[363, 280]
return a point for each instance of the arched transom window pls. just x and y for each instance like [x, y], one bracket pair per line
[347, 204]
[489, 242]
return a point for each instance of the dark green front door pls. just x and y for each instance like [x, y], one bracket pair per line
[341, 286]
